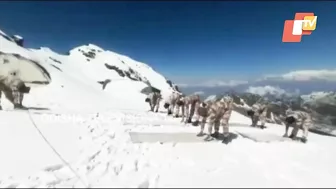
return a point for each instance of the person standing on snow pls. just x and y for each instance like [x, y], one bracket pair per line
[218, 113]
[154, 99]
[258, 113]
[299, 120]
[13, 88]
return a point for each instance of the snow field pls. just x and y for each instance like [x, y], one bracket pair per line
[107, 157]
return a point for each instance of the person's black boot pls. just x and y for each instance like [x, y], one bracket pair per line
[215, 134]
[227, 139]
[19, 107]
[200, 134]
[195, 123]
[262, 127]
[291, 136]
[209, 138]
[295, 138]
[303, 140]
[189, 120]
[169, 112]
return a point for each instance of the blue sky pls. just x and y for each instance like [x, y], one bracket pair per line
[187, 42]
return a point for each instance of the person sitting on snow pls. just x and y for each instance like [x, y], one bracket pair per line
[13, 88]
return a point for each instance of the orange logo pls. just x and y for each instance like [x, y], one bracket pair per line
[303, 24]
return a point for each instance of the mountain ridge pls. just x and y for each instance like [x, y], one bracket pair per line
[101, 71]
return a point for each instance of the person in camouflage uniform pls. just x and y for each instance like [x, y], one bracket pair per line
[172, 103]
[13, 88]
[299, 120]
[258, 113]
[202, 113]
[189, 105]
[217, 113]
[154, 99]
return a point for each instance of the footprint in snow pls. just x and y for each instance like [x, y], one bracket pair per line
[94, 155]
[53, 168]
[136, 165]
[111, 136]
[53, 183]
[117, 169]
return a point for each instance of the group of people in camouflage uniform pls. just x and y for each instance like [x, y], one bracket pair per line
[297, 119]
[217, 113]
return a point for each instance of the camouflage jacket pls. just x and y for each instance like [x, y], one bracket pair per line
[10, 81]
[154, 96]
[218, 107]
[173, 98]
[191, 99]
[300, 116]
[258, 107]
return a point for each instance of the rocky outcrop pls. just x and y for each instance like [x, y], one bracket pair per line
[123, 73]
[14, 38]
[18, 40]
[104, 83]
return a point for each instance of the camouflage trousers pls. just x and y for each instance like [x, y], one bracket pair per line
[202, 113]
[259, 116]
[215, 120]
[304, 125]
[175, 109]
[13, 95]
[154, 105]
[188, 112]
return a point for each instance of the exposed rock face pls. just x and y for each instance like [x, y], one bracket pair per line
[18, 40]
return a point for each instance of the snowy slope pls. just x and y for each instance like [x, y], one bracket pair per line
[108, 158]
[84, 141]
[77, 75]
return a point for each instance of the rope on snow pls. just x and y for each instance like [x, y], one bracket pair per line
[59, 155]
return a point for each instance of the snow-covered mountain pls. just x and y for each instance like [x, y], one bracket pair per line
[88, 67]
[79, 134]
